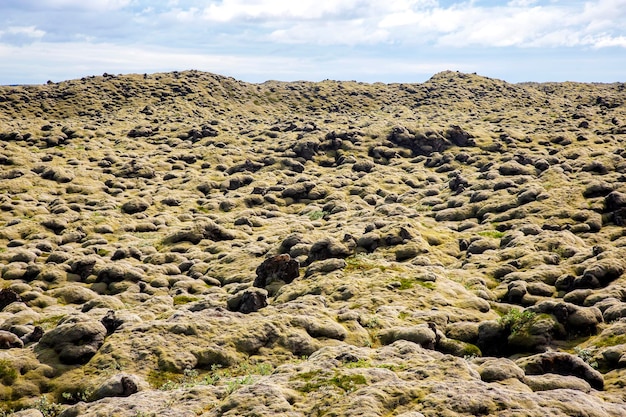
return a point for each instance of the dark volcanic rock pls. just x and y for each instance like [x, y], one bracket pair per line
[615, 201]
[277, 268]
[9, 340]
[8, 296]
[205, 229]
[563, 364]
[33, 336]
[458, 136]
[327, 248]
[248, 301]
[120, 385]
[135, 206]
[75, 343]
[110, 322]
[418, 143]
[600, 274]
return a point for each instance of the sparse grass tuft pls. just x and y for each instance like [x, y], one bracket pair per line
[8, 374]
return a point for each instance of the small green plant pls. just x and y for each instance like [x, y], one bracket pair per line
[515, 319]
[77, 396]
[169, 385]
[372, 323]
[47, 408]
[264, 368]
[211, 379]
[235, 384]
[586, 355]
[8, 374]
[190, 377]
[233, 378]
[6, 412]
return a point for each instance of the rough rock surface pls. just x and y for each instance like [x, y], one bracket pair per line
[186, 244]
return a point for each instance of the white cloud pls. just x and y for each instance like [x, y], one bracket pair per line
[95, 5]
[21, 35]
[345, 33]
[234, 10]
[513, 25]
[26, 31]
[521, 3]
[229, 10]
[608, 41]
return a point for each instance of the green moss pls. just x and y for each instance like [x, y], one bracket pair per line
[361, 363]
[427, 284]
[49, 322]
[613, 340]
[406, 283]
[157, 379]
[362, 263]
[307, 376]
[8, 374]
[471, 350]
[491, 233]
[346, 383]
[184, 299]
[366, 363]
[359, 263]
[316, 215]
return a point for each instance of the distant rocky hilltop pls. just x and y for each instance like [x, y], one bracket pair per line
[186, 244]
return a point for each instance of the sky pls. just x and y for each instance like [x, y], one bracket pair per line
[364, 40]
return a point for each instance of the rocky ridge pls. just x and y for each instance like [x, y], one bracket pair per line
[188, 244]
